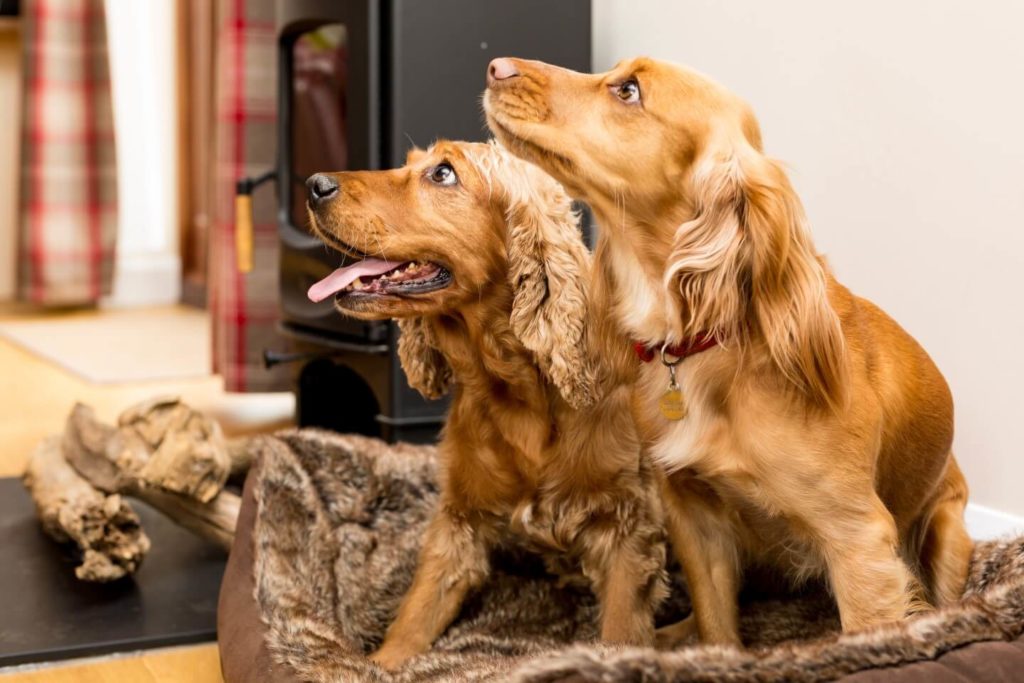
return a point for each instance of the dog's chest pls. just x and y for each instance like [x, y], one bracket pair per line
[708, 441]
[555, 533]
[711, 446]
[527, 508]
[549, 522]
[700, 437]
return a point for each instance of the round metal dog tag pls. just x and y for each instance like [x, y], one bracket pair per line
[671, 405]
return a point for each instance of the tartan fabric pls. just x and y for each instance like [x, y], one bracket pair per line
[69, 182]
[244, 307]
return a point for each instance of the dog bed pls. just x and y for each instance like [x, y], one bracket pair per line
[326, 546]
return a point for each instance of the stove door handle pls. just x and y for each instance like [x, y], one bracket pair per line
[244, 220]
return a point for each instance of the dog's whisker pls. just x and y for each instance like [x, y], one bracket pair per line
[380, 247]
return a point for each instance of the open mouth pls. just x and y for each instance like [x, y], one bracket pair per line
[376, 277]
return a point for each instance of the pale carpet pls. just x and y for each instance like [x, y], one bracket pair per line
[120, 346]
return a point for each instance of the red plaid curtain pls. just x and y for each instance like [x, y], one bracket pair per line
[69, 181]
[244, 307]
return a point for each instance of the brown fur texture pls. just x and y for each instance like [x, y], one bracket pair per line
[425, 366]
[818, 433]
[339, 522]
[539, 443]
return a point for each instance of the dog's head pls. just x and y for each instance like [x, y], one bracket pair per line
[633, 132]
[460, 225]
[672, 163]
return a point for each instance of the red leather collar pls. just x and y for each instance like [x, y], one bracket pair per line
[688, 347]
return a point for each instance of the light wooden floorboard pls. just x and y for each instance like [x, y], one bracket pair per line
[194, 664]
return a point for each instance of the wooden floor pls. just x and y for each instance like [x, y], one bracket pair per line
[196, 664]
[35, 397]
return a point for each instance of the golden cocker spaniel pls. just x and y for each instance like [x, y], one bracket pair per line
[479, 256]
[796, 424]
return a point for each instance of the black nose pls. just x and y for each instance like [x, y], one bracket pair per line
[321, 188]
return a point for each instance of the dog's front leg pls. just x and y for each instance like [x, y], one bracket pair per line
[631, 582]
[452, 562]
[871, 583]
[705, 544]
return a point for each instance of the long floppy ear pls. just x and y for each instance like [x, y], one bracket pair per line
[425, 367]
[549, 275]
[747, 262]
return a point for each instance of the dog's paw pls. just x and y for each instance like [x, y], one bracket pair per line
[391, 658]
[674, 635]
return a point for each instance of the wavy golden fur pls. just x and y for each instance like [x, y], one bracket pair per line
[539, 440]
[818, 432]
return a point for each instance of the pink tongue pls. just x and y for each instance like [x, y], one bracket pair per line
[343, 277]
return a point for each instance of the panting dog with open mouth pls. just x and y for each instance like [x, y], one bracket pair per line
[479, 256]
[369, 283]
[381, 277]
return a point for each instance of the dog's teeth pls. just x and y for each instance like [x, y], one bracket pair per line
[358, 284]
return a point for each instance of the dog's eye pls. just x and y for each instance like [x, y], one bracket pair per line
[443, 174]
[628, 91]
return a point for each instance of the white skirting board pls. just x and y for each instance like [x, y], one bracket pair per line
[984, 523]
[142, 279]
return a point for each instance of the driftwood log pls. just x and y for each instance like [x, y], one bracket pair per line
[163, 453]
[166, 455]
[105, 529]
[240, 455]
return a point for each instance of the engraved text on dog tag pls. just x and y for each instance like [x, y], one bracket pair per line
[671, 404]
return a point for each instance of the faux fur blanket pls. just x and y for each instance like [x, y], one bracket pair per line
[339, 521]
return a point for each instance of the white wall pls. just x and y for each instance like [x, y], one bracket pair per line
[142, 64]
[903, 125]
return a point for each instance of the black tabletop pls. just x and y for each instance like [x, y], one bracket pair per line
[47, 614]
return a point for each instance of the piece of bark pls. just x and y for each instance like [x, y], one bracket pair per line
[214, 521]
[189, 454]
[105, 529]
[162, 442]
[155, 417]
[192, 467]
[111, 460]
[241, 454]
[119, 460]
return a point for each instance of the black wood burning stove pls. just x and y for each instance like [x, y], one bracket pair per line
[360, 82]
